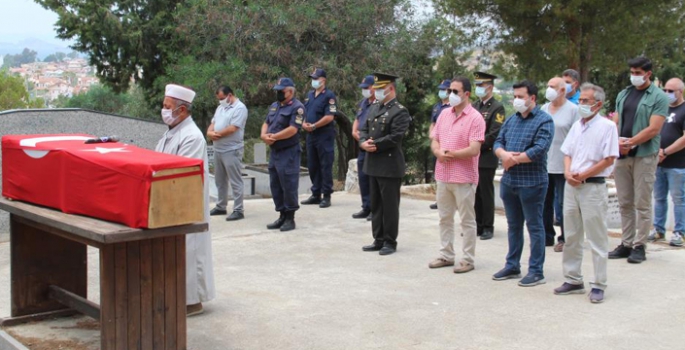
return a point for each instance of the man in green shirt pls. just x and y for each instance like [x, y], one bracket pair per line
[641, 110]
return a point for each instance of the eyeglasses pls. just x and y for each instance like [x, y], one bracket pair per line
[585, 101]
[456, 92]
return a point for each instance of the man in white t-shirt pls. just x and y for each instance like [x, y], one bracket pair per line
[564, 114]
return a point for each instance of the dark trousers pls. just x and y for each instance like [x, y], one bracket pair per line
[363, 182]
[554, 199]
[485, 200]
[320, 154]
[385, 209]
[284, 178]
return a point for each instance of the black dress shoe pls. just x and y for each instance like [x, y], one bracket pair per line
[362, 214]
[487, 234]
[217, 211]
[387, 250]
[289, 223]
[372, 248]
[278, 223]
[434, 206]
[325, 202]
[311, 200]
[236, 215]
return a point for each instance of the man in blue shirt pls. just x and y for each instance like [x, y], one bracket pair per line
[360, 120]
[281, 132]
[572, 79]
[320, 106]
[443, 104]
[522, 146]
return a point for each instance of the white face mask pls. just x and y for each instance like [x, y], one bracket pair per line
[455, 100]
[366, 93]
[168, 116]
[316, 84]
[585, 111]
[551, 94]
[224, 102]
[671, 98]
[637, 80]
[442, 94]
[481, 91]
[520, 105]
[380, 95]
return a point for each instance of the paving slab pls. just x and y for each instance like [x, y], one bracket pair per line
[313, 288]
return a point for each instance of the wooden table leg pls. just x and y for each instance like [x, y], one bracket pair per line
[40, 259]
[143, 295]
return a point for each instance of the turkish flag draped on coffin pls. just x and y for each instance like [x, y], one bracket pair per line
[109, 181]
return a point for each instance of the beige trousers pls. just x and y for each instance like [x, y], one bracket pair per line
[585, 209]
[635, 178]
[452, 198]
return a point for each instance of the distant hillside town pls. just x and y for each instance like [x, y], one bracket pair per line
[50, 80]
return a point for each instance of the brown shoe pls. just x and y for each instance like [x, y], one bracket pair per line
[559, 247]
[195, 309]
[463, 267]
[440, 262]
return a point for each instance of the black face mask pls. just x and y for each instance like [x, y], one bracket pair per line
[280, 96]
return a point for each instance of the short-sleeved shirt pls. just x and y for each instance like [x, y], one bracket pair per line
[455, 132]
[590, 142]
[281, 117]
[533, 136]
[234, 114]
[563, 119]
[437, 110]
[653, 102]
[319, 106]
[670, 132]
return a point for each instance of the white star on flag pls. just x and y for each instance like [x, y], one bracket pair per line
[106, 150]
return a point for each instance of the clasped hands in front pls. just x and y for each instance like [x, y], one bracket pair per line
[269, 139]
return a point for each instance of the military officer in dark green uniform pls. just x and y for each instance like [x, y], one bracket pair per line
[381, 137]
[493, 112]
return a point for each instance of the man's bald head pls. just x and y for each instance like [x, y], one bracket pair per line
[676, 87]
[557, 83]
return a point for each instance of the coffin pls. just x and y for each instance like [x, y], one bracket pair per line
[109, 181]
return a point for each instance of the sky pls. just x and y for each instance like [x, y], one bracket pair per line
[25, 19]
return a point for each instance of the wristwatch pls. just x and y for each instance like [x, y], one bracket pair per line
[664, 152]
[313, 127]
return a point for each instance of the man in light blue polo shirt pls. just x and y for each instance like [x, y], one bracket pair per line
[227, 132]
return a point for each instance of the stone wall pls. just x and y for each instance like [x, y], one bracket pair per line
[138, 132]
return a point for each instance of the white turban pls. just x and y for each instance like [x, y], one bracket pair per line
[180, 93]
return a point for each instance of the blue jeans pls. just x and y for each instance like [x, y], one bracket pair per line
[525, 204]
[673, 180]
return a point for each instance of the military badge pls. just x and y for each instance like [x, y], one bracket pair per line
[499, 118]
[298, 120]
[331, 101]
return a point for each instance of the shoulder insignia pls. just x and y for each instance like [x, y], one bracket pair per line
[300, 111]
[499, 118]
[400, 106]
[331, 101]
[273, 109]
[298, 119]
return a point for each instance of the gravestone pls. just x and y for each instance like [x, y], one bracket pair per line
[260, 153]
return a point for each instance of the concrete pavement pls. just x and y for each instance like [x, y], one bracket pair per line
[313, 288]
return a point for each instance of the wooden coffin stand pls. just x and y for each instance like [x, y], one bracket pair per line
[142, 274]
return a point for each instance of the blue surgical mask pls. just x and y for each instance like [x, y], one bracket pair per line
[442, 94]
[569, 88]
[481, 91]
[672, 98]
[379, 94]
[316, 84]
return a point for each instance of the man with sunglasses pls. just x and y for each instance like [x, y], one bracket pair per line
[457, 139]
[641, 110]
[670, 174]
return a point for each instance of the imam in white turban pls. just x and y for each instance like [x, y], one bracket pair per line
[180, 93]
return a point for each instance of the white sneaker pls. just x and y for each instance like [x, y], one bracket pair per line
[677, 239]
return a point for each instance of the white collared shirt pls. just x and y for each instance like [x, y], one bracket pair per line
[588, 143]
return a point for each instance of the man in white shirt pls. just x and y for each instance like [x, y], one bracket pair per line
[226, 132]
[590, 151]
[185, 139]
[564, 114]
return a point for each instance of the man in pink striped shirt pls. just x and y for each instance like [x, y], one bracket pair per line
[457, 137]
